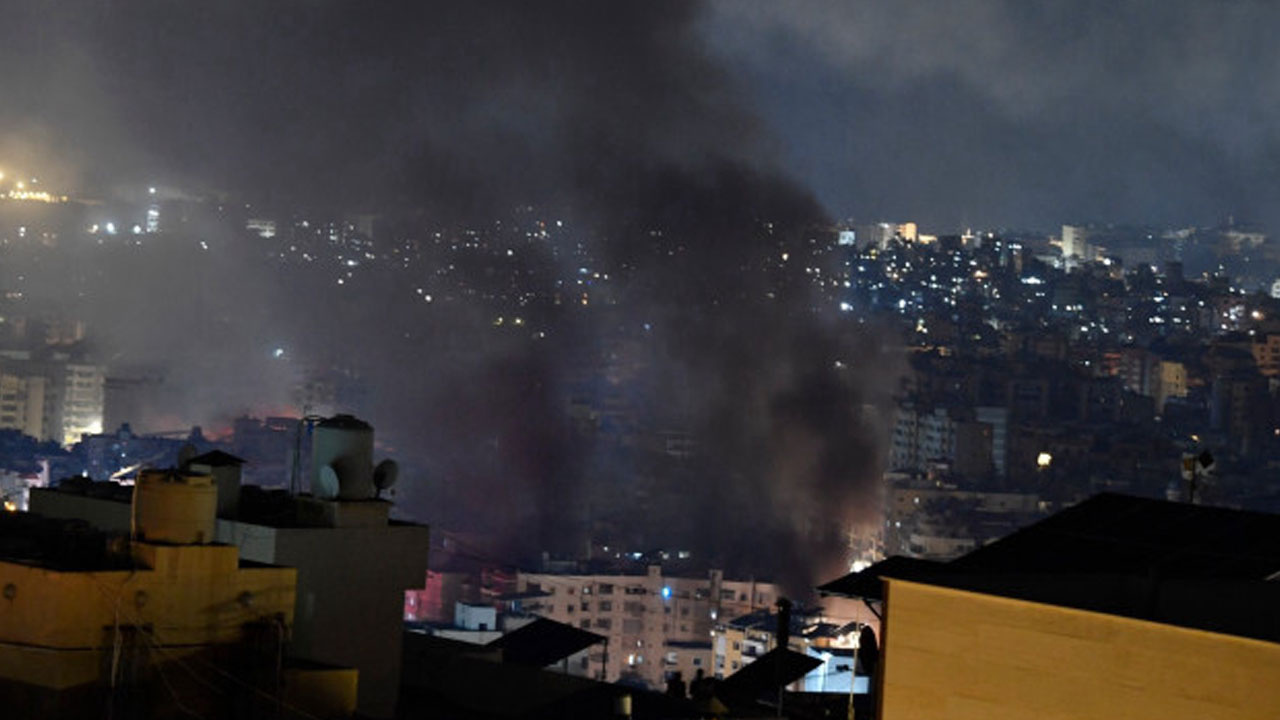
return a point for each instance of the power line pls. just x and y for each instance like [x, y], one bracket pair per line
[155, 643]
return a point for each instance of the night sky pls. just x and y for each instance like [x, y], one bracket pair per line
[982, 113]
[970, 113]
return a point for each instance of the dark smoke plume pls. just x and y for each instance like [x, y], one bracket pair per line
[611, 116]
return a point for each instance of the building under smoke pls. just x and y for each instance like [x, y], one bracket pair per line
[353, 562]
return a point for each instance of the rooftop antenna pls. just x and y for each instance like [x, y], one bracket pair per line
[308, 421]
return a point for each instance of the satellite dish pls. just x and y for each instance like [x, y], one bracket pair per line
[325, 485]
[385, 475]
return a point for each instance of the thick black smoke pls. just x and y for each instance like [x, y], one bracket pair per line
[609, 115]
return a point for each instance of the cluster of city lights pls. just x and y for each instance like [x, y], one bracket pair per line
[20, 191]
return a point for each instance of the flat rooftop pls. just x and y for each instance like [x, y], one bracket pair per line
[55, 544]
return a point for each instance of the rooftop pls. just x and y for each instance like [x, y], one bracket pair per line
[804, 623]
[63, 545]
[217, 458]
[1132, 535]
[1200, 567]
[543, 642]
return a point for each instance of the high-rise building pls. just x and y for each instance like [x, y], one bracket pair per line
[649, 619]
[53, 398]
[82, 390]
[22, 399]
[1075, 243]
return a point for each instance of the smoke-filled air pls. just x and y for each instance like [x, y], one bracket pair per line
[575, 261]
[548, 249]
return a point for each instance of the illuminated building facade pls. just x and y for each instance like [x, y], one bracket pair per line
[1075, 243]
[655, 624]
[79, 402]
[741, 640]
[22, 403]
[51, 398]
[1117, 607]
[353, 562]
[161, 622]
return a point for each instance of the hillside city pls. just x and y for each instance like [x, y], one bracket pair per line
[1029, 371]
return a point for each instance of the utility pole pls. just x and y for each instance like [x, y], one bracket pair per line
[853, 669]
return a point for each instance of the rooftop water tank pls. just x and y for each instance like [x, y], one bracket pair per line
[342, 459]
[172, 506]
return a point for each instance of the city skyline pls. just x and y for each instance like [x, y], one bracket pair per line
[691, 331]
[521, 238]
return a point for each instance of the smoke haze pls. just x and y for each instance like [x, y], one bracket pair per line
[998, 112]
[683, 148]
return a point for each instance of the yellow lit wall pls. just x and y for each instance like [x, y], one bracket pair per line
[321, 692]
[1266, 355]
[950, 654]
[1173, 382]
[172, 508]
[186, 595]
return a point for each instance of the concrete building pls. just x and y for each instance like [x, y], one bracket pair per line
[938, 519]
[1116, 607]
[88, 624]
[973, 455]
[353, 562]
[973, 441]
[1075, 243]
[1171, 382]
[79, 402]
[998, 419]
[922, 435]
[904, 443]
[477, 624]
[51, 398]
[937, 435]
[456, 580]
[1266, 353]
[116, 454]
[22, 403]
[647, 618]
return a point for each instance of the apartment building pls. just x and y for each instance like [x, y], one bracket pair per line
[655, 624]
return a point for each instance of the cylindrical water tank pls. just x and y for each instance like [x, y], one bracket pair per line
[171, 506]
[342, 459]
